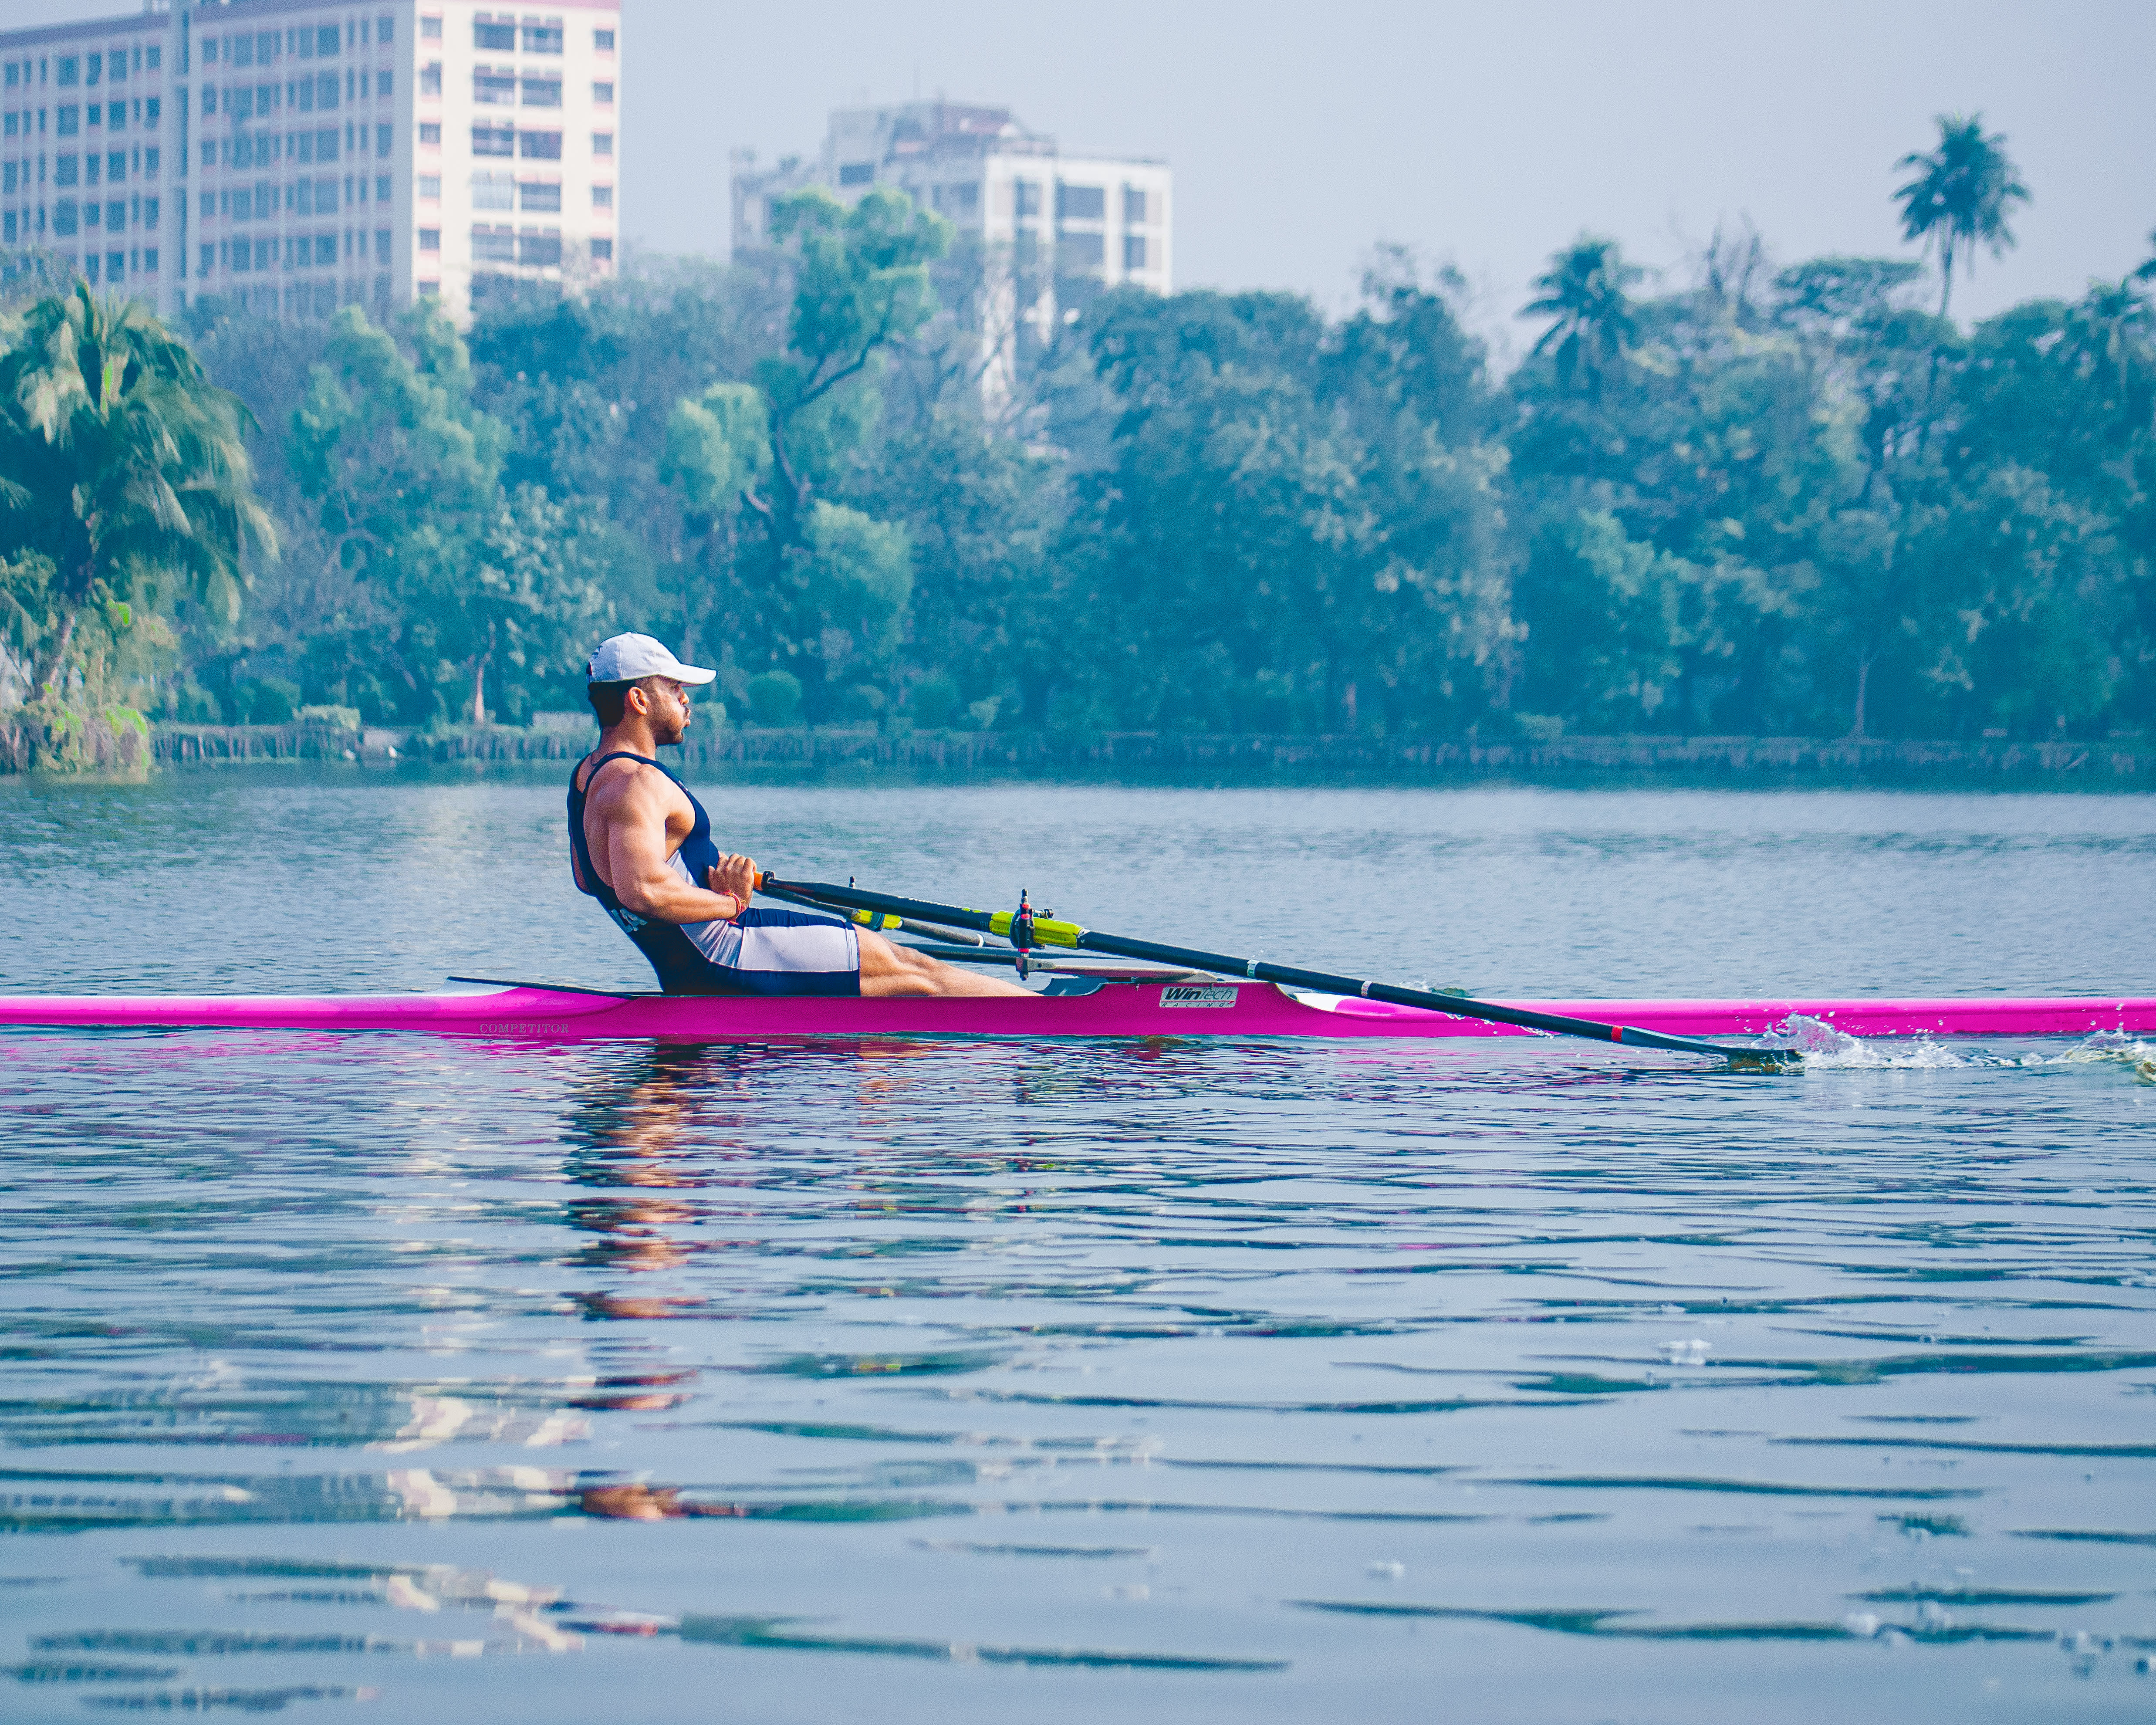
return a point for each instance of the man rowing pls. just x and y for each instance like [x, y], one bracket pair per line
[642, 846]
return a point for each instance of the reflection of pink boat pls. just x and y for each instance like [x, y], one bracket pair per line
[1184, 1008]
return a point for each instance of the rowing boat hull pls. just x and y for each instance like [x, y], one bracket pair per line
[1116, 1009]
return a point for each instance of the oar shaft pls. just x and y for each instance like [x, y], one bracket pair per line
[1051, 932]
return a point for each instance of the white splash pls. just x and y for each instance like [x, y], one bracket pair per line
[1826, 1048]
[2130, 1051]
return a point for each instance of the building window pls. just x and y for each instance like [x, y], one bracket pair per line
[63, 218]
[856, 174]
[116, 215]
[208, 260]
[116, 265]
[383, 84]
[70, 120]
[493, 141]
[493, 191]
[325, 41]
[1082, 253]
[430, 79]
[492, 87]
[385, 140]
[602, 95]
[64, 170]
[1026, 196]
[543, 92]
[150, 252]
[1135, 207]
[326, 91]
[69, 73]
[116, 165]
[1134, 251]
[430, 184]
[431, 29]
[541, 251]
[385, 27]
[157, 59]
[150, 162]
[325, 249]
[487, 34]
[1081, 203]
[493, 245]
[381, 242]
[603, 40]
[149, 213]
[430, 134]
[542, 37]
[381, 188]
[542, 196]
[602, 198]
[431, 239]
[8, 223]
[602, 145]
[539, 146]
[602, 250]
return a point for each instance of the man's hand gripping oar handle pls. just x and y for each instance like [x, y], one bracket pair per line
[1049, 931]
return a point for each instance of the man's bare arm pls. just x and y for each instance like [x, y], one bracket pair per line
[635, 808]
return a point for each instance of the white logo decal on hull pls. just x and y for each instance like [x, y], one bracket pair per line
[1198, 997]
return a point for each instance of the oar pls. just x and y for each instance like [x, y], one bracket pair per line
[1025, 929]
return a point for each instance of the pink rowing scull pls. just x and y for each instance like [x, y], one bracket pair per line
[1132, 1008]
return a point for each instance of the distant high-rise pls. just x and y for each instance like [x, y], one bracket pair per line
[299, 155]
[1102, 220]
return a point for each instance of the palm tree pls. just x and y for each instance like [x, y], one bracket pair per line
[1582, 292]
[1960, 196]
[122, 462]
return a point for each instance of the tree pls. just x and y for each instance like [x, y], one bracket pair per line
[860, 286]
[121, 463]
[474, 581]
[1584, 294]
[717, 453]
[1960, 197]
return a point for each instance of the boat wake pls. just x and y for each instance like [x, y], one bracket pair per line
[1825, 1049]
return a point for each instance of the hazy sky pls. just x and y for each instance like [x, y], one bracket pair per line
[1486, 135]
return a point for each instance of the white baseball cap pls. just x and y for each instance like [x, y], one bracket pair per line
[627, 659]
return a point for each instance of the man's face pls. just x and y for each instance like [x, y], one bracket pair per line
[667, 705]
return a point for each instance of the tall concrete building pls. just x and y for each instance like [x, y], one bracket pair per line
[299, 154]
[1062, 221]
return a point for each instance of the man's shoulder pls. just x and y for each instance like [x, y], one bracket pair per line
[620, 778]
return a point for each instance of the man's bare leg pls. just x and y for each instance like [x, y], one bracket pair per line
[887, 969]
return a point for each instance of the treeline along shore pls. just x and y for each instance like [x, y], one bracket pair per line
[1758, 498]
[1220, 757]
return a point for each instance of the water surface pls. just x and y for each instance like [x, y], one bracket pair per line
[1498, 1381]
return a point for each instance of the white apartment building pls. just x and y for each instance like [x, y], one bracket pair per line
[299, 154]
[1102, 220]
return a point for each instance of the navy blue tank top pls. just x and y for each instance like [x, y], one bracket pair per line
[681, 966]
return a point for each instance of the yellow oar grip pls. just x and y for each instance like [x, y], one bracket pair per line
[1046, 930]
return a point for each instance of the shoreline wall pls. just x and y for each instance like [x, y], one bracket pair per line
[2116, 764]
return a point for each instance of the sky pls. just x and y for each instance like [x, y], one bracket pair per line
[1482, 136]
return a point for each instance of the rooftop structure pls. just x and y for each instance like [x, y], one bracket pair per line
[1065, 223]
[299, 155]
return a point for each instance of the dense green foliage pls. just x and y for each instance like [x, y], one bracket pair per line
[1780, 500]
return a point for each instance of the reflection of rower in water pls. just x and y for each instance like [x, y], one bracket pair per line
[641, 845]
